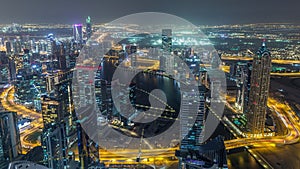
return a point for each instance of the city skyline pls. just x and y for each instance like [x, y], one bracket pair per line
[150, 93]
[198, 12]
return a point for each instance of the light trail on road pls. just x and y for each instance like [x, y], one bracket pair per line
[7, 101]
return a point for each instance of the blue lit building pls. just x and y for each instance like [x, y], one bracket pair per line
[30, 86]
[194, 153]
[77, 33]
[59, 118]
[54, 135]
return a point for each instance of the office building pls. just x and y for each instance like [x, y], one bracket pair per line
[59, 118]
[167, 60]
[54, 135]
[259, 90]
[8, 47]
[10, 145]
[88, 27]
[77, 33]
[243, 77]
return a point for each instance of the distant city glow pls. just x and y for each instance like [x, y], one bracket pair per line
[38, 92]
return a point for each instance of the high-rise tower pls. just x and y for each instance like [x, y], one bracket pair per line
[167, 60]
[77, 33]
[54, 141]
[10, 145]
[243, 77]
[88, 27]
[259, 89]
[59, 119]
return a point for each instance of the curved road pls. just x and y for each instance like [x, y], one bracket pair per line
[7, 101]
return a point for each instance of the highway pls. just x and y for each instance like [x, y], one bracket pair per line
[284, 112]
[280, 74]
[294, 74]
[269, 142]
[129, 155]
[7, 101]
[239, 58]
[266, 145]
[287, 89]
[289, 119]
[292, 137]
[288, 156]
[115, 156]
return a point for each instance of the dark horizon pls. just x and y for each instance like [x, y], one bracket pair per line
[197, 12]
[99, 23]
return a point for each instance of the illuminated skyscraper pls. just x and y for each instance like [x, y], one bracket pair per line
[8, 47]
[259, 90]
[167, 60]
[77, 33]
[194, 153]
[54, 135]
[26, 58]
[12, 69]
[50, 43]
[17, 46]
[4, 67]
[243, 76]
[88, 27]
[133, 55]
[194, 138]
[88, 150]
[10, 145]
[167, 40]
[59, 118]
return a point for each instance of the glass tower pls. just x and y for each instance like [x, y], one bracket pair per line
[77, 33]
[10, 145]
[88, 27]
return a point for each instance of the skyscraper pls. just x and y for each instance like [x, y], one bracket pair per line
[243, 77]
[26, 58]
[59, 118]
[88, 27]
[77, 33]
[8, 47]
[88, 150]
[194, 153]
[259, 89]
[167, 60]
[10, 145]
[12, 69]
[54, 134]
[133, 55]
[167, 40]
[4, 67]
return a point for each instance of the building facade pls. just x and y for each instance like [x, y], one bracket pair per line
[10, 145]
[243, 77]
[259, 90]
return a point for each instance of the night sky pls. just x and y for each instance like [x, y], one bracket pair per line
[211, 12]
